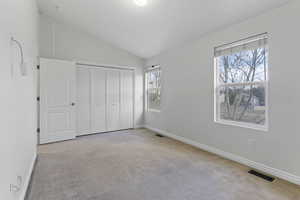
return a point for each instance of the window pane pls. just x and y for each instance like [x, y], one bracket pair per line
[154, 89]
[154, 101]
[245, 66]
[242, 104]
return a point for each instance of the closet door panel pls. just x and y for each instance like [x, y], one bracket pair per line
[98, 100]
[113, 100]
[83, 101]
[126, 99]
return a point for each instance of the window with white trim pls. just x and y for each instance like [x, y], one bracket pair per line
[241, 83]
[153, 88]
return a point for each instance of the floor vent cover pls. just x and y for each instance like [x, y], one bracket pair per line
[260, 175]
[159, 135]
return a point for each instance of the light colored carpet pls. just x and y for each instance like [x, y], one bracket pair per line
[137, 165]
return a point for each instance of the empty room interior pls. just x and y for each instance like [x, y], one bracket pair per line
[150, 100]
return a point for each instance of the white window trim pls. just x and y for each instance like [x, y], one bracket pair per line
[147, 109]
[153, 110]
[217, 118]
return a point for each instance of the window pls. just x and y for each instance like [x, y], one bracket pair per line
[153, 88]
[241, 83]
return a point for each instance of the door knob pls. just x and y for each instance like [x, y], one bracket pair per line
[72, 104]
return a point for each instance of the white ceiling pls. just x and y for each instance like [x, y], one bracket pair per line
[162, 24]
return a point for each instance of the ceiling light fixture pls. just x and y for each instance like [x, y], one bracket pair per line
[140, 2]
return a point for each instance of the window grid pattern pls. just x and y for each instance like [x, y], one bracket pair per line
[241, 83]
[153, 88]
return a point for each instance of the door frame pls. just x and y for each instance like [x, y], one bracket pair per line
[133, 69]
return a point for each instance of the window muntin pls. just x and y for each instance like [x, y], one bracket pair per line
[241, 83]
[153, 87]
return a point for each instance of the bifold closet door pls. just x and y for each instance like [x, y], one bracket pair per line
[98, 100]
[113, 99]
[126, 99]
[105, 99]
[83, 101]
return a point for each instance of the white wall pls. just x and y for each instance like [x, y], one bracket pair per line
[60, 41]
[188, 92]
[18, 141]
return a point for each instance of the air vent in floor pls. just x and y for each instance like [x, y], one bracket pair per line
[260, 175]
[159, 135]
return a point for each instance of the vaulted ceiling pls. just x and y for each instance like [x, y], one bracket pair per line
[161, 24]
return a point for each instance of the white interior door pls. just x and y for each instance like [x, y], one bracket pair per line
[126, 99]
[83, 101]
[98, 99]
[113, 100]
[57, 100]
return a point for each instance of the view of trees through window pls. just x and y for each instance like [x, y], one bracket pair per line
[153, 88]
[241, 86]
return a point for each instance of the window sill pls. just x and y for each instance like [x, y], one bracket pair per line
[153, 110]
[243, 125]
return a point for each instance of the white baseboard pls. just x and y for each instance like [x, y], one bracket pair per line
[255, 165]
[27, 180]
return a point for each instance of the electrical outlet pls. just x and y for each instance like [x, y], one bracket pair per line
[16, 187]
[19, 180]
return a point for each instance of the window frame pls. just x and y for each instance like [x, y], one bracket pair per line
[218, 86]
[155, 67]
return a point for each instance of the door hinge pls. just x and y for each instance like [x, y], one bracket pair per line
[38, 66]
[38, 130]
[38, 98]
